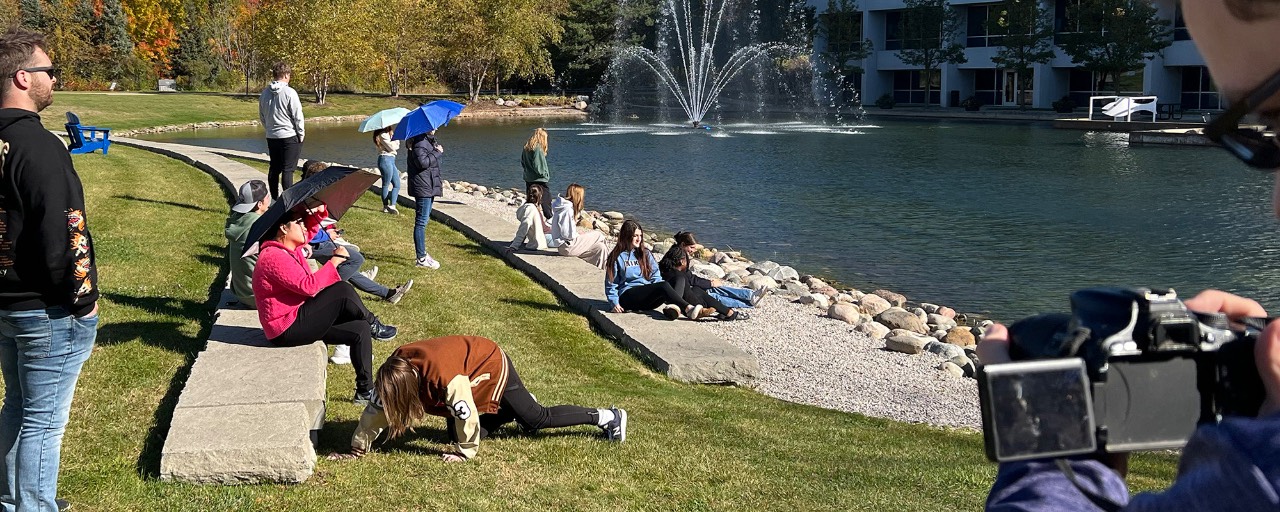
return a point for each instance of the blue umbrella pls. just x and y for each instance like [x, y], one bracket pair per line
[426, 118]
[383, 119]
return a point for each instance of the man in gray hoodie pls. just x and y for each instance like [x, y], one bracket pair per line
[280, 112]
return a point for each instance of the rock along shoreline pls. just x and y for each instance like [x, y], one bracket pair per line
[875, 353]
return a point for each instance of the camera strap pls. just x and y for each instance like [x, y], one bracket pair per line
[1100, 501]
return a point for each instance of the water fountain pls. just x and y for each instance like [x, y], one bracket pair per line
[685, 62]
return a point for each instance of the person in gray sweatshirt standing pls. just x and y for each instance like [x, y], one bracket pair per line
[281, 114]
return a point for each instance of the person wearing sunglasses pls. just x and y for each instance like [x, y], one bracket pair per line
[1234, 464]
[48, 278]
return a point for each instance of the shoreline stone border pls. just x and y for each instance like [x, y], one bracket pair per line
[478, 114]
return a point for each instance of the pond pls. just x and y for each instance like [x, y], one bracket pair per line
[1003, 219]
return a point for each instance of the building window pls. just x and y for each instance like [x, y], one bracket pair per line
[893, 30]
[979, 34]
[1180, 26]
[908, 87]
[843, 30]
[1062, 22]
[987, 85]
[1198, 90]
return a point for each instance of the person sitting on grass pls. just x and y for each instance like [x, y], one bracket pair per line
[532, 233]
[633, 283]
[469, 381]
[297, 306]
[675, 270]
[732, 296]
[252, 200]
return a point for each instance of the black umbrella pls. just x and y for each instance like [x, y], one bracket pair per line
[337, 187]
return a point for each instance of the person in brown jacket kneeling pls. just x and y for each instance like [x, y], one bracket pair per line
[469, 381]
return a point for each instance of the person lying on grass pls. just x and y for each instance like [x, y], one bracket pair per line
[469, 381]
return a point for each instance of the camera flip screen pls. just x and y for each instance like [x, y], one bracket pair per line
[1036, 409]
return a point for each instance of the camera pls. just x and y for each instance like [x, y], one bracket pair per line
[1127, 370]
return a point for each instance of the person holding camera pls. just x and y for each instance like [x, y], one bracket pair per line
[1233, 464]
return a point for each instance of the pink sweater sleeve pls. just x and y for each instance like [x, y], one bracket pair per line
[287, 272]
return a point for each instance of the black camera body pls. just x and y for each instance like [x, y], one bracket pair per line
[1127, 370]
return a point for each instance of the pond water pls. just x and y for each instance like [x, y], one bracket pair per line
[1003, 219]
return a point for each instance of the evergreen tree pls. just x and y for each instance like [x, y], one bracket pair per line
[33, 15]
[194, 62]
[115, 38]
[591, 28]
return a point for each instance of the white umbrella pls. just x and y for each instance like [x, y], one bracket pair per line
[383, 119]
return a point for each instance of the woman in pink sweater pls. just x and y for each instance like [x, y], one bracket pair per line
[297, 306]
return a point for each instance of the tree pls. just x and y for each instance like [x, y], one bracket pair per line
[194, 61]
[841, 26]
[1027, 38]
[324, 41]
[32, 15]
[236, 37]
[402, 48]
[1111, 37]
[152, 28]
[488, 38]
[114, 36]
[10, 12]
[929, 29]
[592, 30]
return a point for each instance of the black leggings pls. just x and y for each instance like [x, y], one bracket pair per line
[682, 285]
[649, 296]
[284, 161]
[338, 317]
[520, 406]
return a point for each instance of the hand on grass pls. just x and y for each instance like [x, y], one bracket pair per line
[452, 457]
[351, 455]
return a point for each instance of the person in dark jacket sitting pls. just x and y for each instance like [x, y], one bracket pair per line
[675, 270]
[424, 186]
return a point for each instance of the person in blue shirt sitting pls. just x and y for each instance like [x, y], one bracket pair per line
[633, 282]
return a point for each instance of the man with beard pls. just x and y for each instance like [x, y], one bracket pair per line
[48, 279]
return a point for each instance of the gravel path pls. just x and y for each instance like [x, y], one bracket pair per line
[810, 359]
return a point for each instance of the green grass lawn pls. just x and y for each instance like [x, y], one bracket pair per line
[158, 224]
[124, 111]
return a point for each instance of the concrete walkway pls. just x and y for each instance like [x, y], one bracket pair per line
[683, 350]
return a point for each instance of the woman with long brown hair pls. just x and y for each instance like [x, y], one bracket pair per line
[567, 236]
[533, 159]
[469, 381]
[633, 282]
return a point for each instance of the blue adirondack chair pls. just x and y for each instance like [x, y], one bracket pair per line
[86, 139]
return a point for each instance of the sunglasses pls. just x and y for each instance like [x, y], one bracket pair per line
[52, 71]
[1249, 145]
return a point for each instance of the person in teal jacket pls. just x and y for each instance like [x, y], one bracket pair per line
[251, 201]
[633, 282]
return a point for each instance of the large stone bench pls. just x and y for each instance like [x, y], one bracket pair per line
[249, 412]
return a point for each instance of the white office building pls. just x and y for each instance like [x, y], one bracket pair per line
[1176, 75]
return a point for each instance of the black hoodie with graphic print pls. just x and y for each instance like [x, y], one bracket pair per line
[46, 252]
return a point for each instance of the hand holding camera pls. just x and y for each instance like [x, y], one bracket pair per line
[1127, 370]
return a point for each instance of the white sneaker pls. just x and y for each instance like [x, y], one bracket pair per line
[341, 355]
[428, 262]
[372, 273]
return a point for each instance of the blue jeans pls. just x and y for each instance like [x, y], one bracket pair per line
[349, 270]
[41, 352]
[423, 214]
[736, 298]
[390, 178]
